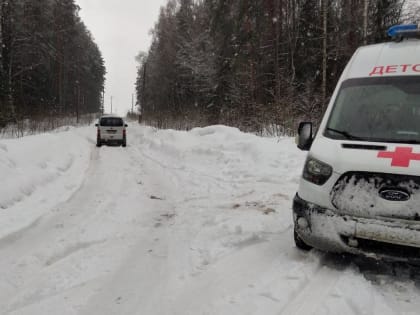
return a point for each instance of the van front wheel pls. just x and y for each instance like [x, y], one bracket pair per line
[300, 243]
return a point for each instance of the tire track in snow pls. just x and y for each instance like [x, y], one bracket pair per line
[229, 274]
[312, 295]
[29, 244]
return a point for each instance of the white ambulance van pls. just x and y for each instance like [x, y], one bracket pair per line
[360, 188]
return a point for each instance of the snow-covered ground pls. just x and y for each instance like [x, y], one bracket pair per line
[181, 223]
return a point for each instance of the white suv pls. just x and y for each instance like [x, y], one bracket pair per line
[111, 130]
[360, 187]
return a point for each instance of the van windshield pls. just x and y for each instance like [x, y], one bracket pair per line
[111, 122]
[383, 109]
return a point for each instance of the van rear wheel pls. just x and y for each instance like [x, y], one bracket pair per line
[300, 243]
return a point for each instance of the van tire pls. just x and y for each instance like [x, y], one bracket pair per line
[98, 144]
[300, 243]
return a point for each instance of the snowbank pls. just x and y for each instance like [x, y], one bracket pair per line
[38, 172]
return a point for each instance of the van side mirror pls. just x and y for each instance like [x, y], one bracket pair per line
[96, 125]
[304, 138]
[125, 125]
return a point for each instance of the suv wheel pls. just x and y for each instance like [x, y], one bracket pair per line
[299, 242]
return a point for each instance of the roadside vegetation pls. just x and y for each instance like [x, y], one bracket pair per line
[260, 65]
[51, 70]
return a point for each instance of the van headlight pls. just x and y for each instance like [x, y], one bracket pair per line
[317, 172]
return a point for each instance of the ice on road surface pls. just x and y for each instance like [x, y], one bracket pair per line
[194, 222]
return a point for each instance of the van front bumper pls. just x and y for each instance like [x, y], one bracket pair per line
[387, 238]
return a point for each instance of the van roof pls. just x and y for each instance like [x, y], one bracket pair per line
[386, 59]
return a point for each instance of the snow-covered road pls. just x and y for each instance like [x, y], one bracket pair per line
[181, 223]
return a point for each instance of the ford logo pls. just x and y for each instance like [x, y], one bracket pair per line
[394, 194]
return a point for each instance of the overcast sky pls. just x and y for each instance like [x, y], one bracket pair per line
[121, 29]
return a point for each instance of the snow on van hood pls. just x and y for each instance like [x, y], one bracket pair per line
[364, 197]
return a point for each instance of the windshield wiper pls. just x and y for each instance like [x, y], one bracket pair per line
[346, 134]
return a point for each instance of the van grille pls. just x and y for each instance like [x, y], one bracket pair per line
[358, 192]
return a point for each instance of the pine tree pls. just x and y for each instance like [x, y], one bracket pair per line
[253, 63]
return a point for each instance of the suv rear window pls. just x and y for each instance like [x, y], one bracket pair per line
[111, 122]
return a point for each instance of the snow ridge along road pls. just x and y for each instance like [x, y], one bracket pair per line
[184, 223]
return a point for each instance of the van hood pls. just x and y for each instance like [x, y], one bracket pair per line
[373, 180]
[348, 156]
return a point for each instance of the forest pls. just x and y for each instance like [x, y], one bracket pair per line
[255, 64]
[50, 66]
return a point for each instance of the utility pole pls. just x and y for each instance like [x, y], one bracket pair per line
[103, 101]
[143, 94]
[78, 101]
[132, 103]
[111, 104]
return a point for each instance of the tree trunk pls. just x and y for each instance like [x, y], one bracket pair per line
[10, 103]
[1, 66]
[7, 52]
[277, 16]
[365, 21]
[324, 54]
